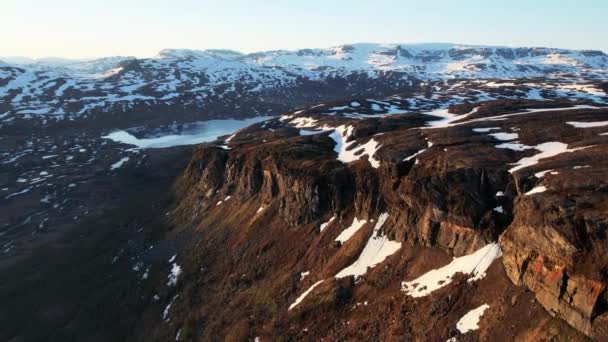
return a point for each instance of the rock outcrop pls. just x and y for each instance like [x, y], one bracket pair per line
[448, 190]
[556, 247]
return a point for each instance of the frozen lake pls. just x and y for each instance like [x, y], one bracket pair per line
[196, 133]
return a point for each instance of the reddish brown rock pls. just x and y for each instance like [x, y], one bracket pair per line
[453, 198]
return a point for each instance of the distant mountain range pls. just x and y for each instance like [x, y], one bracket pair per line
[222, 83]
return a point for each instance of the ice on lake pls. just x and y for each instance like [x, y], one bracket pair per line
[196, 133]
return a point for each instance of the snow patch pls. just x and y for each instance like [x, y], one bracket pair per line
[377, 249]
[119, 163]
[167, 308]
[176, 270]
[547, 150]
[536, 190]
[470, 321]
[303, 122]
[514, 146]
[351, 230]
[578, 124]
[485, 129]
[303, 295]
[324, 225]
[447, 118]
[504, 136]
[341, 135]
[429, 145]
[474, 265]
[541, 174]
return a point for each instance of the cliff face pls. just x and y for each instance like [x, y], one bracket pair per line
[556, 248]
[327, 227]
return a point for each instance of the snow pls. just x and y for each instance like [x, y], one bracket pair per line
[304, 274]
[504, 136]
[286, 117]
[18, 193]
[339, 108]
[470, 321]
[68, 84]
[230, 138]
[536, 190]
[528, 111]
[514, 146]
[535, 94]
[351, 230]
[167, 308]
[119, 163]
[377, 249]
[146, 274]
[586, 88]
[260, 210]
[447, 117]
[177, 75]
[166, 311]
[485, 129]
[303, 122]
[499, 209]
[303, 295]
[309, 132]
[176, 270]
[541, 174]
[324, 225]
[173, 73]
[587, 124]
[17, 156]
[429, 145]
[474, 265]
[547, 150]
[341, 135]
[204, 131]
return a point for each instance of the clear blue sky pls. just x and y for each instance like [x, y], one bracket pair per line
[92, 28]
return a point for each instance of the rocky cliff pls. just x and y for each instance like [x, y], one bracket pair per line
[315, 226]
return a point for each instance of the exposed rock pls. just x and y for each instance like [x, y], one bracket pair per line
[455, 196]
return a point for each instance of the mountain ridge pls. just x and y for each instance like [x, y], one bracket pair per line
[24, 60]
[190, 85]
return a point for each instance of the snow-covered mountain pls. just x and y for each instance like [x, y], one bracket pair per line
[215, 83]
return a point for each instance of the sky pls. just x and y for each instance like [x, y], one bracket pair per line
[141, 28]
